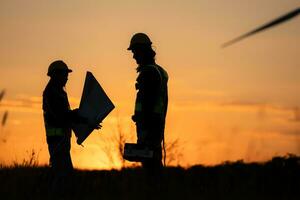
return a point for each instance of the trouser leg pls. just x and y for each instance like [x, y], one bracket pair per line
[154, 166]
[151, 137]
[61, 164]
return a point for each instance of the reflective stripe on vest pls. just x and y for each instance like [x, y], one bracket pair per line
[158, 107]
[56, 131]
[138, 106]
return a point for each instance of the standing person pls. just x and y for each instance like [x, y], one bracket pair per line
[151, 101]
[58, 118]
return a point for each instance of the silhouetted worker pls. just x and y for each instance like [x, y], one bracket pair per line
[151, 101]
[58, 118]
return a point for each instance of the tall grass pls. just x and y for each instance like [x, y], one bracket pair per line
[5, 115]
[278, 178]
[2, 93]
[32, 160]
[4, 118]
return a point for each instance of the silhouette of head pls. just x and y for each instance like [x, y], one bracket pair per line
[58, 72]
[140, 45]
[139, 39]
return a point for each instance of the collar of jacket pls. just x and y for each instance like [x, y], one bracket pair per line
[55, 86]
[141, 67]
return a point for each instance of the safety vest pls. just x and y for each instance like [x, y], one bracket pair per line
[161, 100]
[53, 126]
[57, 131]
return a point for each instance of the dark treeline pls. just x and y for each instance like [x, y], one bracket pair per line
[278, 178]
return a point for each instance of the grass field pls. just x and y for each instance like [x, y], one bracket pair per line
[278, 178]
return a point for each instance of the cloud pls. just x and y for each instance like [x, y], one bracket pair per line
[253, 105]
[22, 105]
[232, 106]
[262, 108]
[296, 117]
[32, 104]
[182, 93]
[293, 132]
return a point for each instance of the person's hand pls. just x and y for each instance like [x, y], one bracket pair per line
[77, 118]
[98, 126]
[83, 120]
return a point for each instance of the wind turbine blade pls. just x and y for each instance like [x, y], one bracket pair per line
[273, 23]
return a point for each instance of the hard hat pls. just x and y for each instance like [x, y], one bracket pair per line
[139, 39]
[58, 65]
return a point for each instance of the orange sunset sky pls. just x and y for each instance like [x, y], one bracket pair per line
[241, 102]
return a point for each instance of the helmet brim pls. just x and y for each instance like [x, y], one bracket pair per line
[137, 46]
[53, 72]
